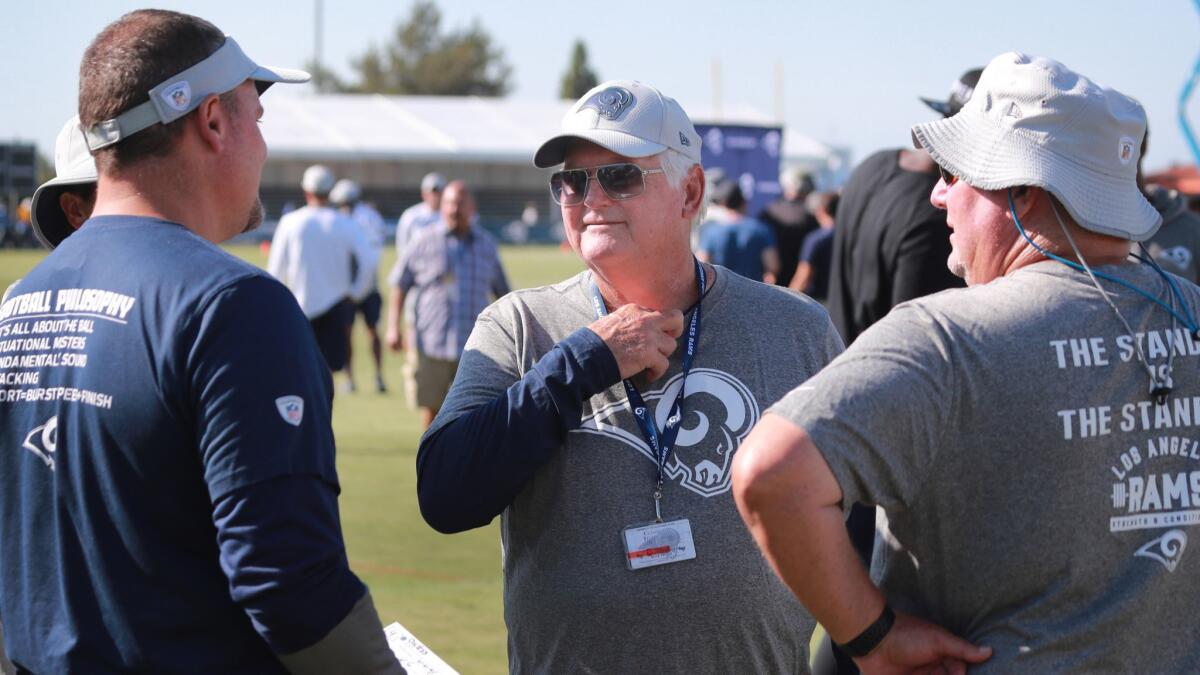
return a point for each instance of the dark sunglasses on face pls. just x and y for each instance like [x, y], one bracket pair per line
[619, 181]
[947, 177]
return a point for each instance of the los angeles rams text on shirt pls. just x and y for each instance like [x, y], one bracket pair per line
[1154, 478]
[50, 329]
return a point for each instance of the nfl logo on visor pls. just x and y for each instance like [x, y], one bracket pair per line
[610, 103]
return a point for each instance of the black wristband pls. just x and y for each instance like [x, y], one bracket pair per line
[871, 637]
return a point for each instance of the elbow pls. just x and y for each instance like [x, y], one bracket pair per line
[440, 512]
[445, 502]
[750, 478]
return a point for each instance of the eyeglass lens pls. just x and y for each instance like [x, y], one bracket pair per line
[619, 181]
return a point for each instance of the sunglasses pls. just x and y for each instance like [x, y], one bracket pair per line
[619, 181]
[947, 177]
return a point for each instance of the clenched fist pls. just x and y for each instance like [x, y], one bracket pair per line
[640, 339]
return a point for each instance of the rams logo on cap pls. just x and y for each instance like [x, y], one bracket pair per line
[610, 103]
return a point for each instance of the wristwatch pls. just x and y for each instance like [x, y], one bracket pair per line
[871, 637]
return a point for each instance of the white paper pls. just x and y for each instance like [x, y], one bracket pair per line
[416, 658]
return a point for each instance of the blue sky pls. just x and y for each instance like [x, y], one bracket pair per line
[852, 70]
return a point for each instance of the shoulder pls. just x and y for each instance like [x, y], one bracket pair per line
[770, 300]
[556, 299]
[485, 238]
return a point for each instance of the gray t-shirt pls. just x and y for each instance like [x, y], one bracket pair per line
[1038, 502]
[570, 603]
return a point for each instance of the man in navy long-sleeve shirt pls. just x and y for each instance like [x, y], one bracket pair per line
[539, 428]
[171, 499]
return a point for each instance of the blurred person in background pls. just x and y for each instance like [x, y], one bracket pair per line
[1177, 243]
[737, 242]
[812, 272]
[347, 197]
[790, 221]
[422, 214]
[453, 268]
[324, 258]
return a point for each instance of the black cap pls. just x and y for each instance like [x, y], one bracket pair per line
[960, 93]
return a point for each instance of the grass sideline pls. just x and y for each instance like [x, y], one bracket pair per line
[445, 589]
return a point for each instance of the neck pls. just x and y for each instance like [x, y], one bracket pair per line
[155, 192]
[656, 287]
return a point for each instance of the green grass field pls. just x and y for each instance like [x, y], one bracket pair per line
[445, 589]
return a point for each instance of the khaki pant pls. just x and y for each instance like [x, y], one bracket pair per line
[427, 380]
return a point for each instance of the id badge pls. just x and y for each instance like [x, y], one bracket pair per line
[655, 544]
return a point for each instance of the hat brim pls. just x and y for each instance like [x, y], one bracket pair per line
[50, 224]
[554, 151]
[265, 76]
[990, 157]
[940, 107]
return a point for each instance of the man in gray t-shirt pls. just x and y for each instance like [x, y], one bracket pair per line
[619, 558]
[1032, 439]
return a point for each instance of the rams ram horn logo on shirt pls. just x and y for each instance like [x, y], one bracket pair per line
[610, 103]
[718, 413]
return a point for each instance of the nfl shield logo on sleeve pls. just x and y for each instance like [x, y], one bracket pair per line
[291, 409]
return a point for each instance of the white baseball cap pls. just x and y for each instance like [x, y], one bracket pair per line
[221, 71]
[73, 165]
[627, 117]
[317, 180]
[1033, 121]
[433, 182]
[345, 193]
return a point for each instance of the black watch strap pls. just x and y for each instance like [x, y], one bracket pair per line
[871, 637]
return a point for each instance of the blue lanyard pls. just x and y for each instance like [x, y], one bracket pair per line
[661, 443]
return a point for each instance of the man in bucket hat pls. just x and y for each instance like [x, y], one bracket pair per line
[598, 418]
[170, 496]
[1030, 438]
[61, 204]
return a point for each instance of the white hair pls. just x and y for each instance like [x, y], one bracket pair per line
[675, 167]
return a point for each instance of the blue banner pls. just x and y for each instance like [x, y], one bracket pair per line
[748, 154]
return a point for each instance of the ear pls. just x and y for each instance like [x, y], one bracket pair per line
[693, 192]
[1026, 200]
[211, 122]
[74, 208]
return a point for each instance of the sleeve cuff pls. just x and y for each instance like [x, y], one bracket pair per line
[596, 361]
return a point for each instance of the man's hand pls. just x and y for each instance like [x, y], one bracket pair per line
[640, 339]
[395, 339]
[916, 646]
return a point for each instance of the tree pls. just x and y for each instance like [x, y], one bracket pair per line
[579, 77]
[324, 80]
[421, 59]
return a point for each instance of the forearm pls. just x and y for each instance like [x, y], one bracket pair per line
[395, 309]
[281, 549]
[355, 645]
[791, 502]
[470, 469]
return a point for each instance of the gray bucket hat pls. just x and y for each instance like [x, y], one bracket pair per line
[1033, 121]
[221, 71]
[73, 165]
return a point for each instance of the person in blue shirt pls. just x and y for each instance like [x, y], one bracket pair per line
[731, 239]
[170, 502]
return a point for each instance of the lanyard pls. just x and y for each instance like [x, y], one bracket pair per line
[661, 443]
